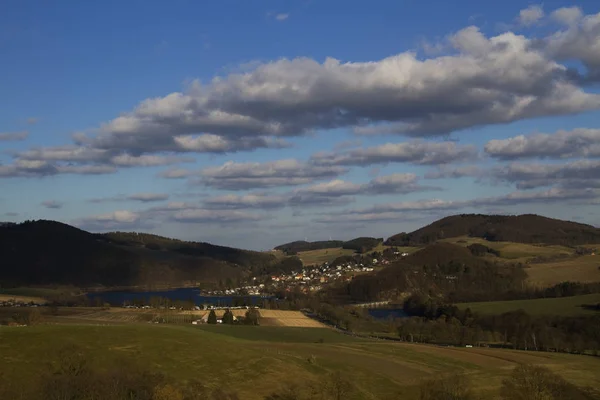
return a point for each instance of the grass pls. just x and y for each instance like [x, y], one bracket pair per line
[255, 361]
[580, 269]
[563, 306]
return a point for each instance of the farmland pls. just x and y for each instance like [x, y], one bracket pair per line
[275, 318]
[579, 269]
[562, 306]
[520, 252]
[256, 361]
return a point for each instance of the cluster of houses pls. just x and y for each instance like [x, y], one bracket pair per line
[249, 290]
[313, 278]
[18, 303]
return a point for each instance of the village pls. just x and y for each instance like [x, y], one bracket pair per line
[311, 278]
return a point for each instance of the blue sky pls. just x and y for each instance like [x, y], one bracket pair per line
[255, 123]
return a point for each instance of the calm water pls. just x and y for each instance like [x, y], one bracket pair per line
[386, 313]
[185, 294]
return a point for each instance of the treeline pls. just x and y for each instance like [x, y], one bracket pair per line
[434, 321]
[526, 228]
[362, 244]
[293, 248]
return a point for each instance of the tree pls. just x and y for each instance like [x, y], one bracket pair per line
[529, 382]
[212, 317]
[228, 317]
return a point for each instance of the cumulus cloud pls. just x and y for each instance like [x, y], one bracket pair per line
[13, 136]
[579, 40]
[581, 174]
[290, 172]
[84, 160]
[52, 204]
[336, 191]
[141, 197]
[484, 80]
[251, 200]
[116, 220]
[530, 15]
[562, 144]
[209, 143]
[480, 80]
[414, 152]
[454, 206]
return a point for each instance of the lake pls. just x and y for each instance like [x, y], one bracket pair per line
[387, 313]
[117, 298]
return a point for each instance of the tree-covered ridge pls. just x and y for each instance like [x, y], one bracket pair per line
[527, 228]
[49, 252]
[302, 245]
[362, 244]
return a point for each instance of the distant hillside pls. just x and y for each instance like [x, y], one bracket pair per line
[526, 228]
[301, 245]
[440, 269]
[49, 252]
[362, 244]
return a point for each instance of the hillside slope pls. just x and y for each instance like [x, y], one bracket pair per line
[301, 245]
[49, 252]
[526, 228]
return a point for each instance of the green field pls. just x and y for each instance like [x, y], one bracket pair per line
[580, 269]
[563, 306]
[255, 361]
[514, 251]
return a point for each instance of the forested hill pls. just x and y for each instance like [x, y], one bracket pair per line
[49, 252]
[526, 228]
[301, 245]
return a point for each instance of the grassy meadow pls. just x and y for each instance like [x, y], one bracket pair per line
[562, 306]
[520, 252]
[255, 361]
[580, 269]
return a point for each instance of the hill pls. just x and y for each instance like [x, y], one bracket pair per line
[362, 244]
[526, 228]
[301, 245]
[440, 269]
[256, 362]
[48, 252]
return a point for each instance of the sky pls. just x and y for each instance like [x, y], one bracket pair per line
[252, 124]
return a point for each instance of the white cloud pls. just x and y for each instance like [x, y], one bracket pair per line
[530, 15]
[561, 144]
[282, 17]
[289, 172]
[415, 152]
[13, 136]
